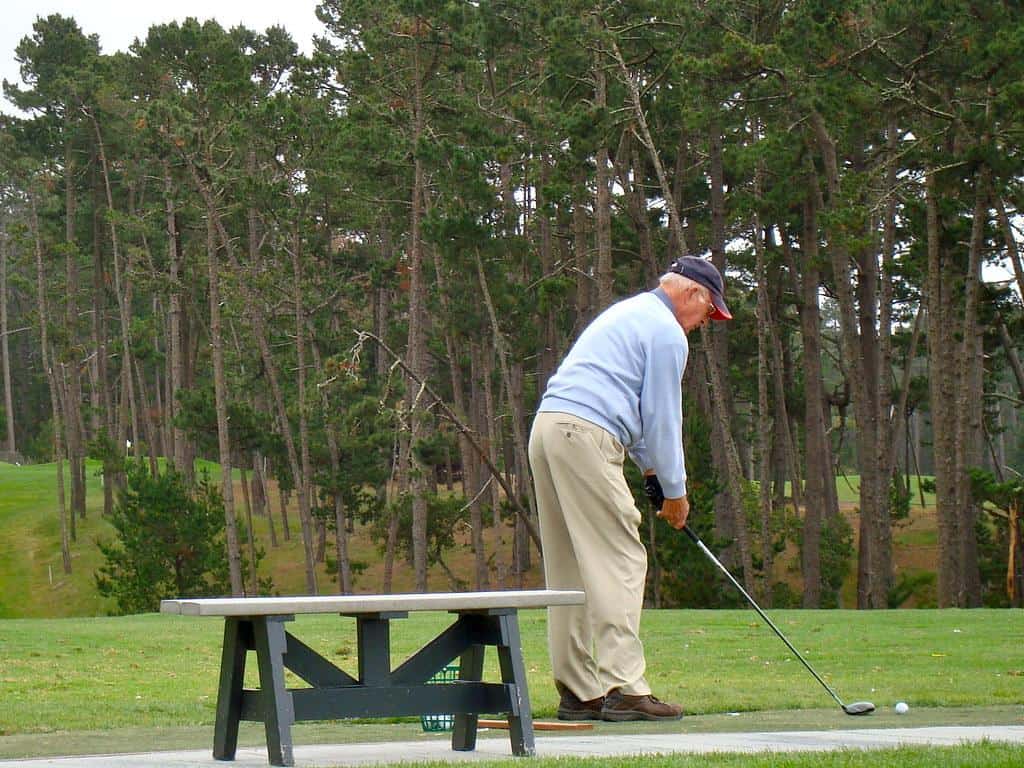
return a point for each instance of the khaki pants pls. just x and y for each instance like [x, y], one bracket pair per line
[589, 529]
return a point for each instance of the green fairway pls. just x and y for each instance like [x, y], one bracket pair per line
[88, 685]
[974, 756]
[157, 671]
[848, 490]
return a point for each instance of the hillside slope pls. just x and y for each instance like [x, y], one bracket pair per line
[33, 584]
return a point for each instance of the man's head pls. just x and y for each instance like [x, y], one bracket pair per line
[695, 289]
[704, 273]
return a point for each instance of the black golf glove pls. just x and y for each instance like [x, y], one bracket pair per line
[652, 487]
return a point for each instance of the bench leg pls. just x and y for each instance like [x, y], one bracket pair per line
[237, 641]
[513, 673]
[278, 710]
[471, 668]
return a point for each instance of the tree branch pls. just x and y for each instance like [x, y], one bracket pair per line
[464, 431]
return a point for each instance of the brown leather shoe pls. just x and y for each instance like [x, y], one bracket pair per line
[571, 707]
[620, 707]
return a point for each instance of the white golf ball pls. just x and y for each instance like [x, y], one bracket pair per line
[901, 708]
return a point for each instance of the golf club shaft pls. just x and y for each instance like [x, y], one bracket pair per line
[700, 544]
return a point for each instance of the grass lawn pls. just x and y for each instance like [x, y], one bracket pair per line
[63, 681]
[848, 490]
[100, 685]
[974, 756]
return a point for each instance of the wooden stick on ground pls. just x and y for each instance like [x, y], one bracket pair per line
[538, 725]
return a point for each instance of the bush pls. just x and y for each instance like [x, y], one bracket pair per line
[919, 585]
[170, 542]
[837, 554]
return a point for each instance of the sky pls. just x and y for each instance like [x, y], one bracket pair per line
[119, 22]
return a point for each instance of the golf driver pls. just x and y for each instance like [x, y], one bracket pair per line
[854, 708]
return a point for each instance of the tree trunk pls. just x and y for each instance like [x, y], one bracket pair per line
[123, 289]
[417, 339]
[1011, 356]
[478, 478]
[283, 498]
[176, 347]
[304, 484]
[254, 576]
[489, 430]
[602, 201]
[968, 408]
[941, 376]
[99, 409]
[62, 400]
[400, 484]
[1012, 249]
[161, 417]
[221, 405]
[466, 458]
[859, 347]
[765, 421]
[5, 352]
[631, 174]
[260, 480]
[58, 445]
[718, 333]
[189, 355]
[341, 546]
[581, 256]
[523, 487]
[72, 412]
[675, 223]
[887, 416]
[517, 424]
[148, 427]
[258, 321]
[819, 470]
[340, 516]
[45, 353]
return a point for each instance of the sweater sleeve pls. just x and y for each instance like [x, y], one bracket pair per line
[661, 412]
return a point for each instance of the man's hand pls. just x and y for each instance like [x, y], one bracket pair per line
[672, 511]
[675, 511]
[652, 488]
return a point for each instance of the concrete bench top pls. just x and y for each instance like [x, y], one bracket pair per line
[356, 604]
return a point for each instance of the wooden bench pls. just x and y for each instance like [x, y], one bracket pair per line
[257, 624]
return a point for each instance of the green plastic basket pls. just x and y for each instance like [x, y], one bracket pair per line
[436, 723]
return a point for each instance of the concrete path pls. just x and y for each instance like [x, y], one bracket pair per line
[489, 748]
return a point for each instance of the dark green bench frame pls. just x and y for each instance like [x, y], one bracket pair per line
[377, 690]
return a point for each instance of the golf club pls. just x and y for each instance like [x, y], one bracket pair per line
[854, 708]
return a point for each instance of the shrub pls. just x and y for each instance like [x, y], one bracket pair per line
[170, 542]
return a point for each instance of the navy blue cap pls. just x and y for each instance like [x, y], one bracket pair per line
[704, 272]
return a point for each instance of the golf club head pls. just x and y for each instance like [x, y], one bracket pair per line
[859, 708]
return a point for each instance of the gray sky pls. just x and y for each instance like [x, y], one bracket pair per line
[119, 22]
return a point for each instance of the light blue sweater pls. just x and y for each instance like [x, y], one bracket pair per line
[624, 374]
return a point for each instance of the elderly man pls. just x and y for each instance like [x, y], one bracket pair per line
[617, 390]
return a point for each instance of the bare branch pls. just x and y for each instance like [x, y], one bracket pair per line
[464, 431]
